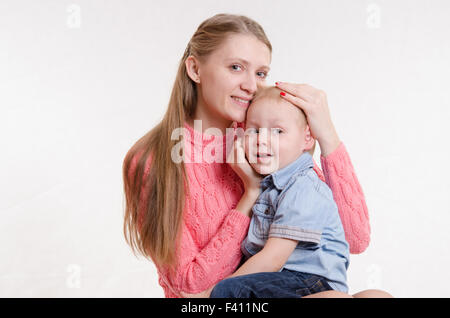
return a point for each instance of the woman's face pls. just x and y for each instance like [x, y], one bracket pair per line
[230, 75]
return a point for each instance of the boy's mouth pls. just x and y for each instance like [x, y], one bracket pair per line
[264, 158]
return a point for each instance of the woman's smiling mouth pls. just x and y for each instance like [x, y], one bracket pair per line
[243, 102]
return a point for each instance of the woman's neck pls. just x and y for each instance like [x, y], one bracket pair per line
[207, 121]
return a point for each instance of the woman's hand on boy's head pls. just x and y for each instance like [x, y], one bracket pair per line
[314, 104]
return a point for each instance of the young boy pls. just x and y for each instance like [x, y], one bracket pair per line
[295, 244]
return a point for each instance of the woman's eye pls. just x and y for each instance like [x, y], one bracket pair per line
[262, 74]
[236, 67]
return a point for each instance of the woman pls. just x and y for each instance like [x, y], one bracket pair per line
[190, 218]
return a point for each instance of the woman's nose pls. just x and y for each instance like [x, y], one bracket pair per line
[249, 84]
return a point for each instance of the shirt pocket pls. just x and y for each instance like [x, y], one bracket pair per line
[262, 219]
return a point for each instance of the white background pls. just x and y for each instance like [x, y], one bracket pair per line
[80, 84]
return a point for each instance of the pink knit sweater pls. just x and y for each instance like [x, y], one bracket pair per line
[213, 229]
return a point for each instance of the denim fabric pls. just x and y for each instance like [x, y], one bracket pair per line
[295, 204]
[284, 284]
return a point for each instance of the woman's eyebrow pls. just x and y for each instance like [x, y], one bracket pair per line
[266, 67]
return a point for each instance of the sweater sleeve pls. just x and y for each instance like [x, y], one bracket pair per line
[340, 176]
[198, 269]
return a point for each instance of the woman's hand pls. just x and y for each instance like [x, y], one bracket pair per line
[238, 162]
[315, 105]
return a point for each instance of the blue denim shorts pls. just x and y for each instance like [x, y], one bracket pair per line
[284, 284]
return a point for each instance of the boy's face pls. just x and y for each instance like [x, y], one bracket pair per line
[276, 135]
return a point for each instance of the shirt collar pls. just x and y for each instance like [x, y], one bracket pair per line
[281, 177]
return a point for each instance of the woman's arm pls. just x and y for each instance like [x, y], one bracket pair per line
[339, 173]
[347, 192]
[197, 268]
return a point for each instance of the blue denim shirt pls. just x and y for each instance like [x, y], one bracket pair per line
[295, 204]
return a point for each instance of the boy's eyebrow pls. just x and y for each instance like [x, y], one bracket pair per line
[266, 67]
[276, 122]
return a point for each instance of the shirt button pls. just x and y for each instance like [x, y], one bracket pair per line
[267, 212]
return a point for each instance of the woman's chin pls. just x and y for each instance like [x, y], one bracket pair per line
[237, 115]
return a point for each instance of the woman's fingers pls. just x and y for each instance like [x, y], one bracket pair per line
[297, 101]
[238, 162]
[314, 103]
[241, 150]
[237, 154]
[302, 91]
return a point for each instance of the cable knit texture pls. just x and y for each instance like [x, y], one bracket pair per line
[213, 229]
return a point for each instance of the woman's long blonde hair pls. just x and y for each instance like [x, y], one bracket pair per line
[154, 199]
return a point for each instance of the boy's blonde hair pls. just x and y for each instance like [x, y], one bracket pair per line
[272, 93]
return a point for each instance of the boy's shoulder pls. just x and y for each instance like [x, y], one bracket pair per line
[307, 183]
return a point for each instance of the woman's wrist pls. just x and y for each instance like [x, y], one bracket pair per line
[329, 144]
[252, 191]
[247, 201]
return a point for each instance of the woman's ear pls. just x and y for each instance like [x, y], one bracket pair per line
[192, 69]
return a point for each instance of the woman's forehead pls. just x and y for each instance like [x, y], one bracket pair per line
[244, 48]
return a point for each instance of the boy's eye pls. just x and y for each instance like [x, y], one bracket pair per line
[277, 130]
[252, 130]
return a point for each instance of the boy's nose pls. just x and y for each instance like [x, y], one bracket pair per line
[262, 132]
[263, 137]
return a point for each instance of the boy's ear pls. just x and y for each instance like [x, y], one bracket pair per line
[192, 69]
[310, 142]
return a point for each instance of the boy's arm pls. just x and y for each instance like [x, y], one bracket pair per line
[271, 258]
